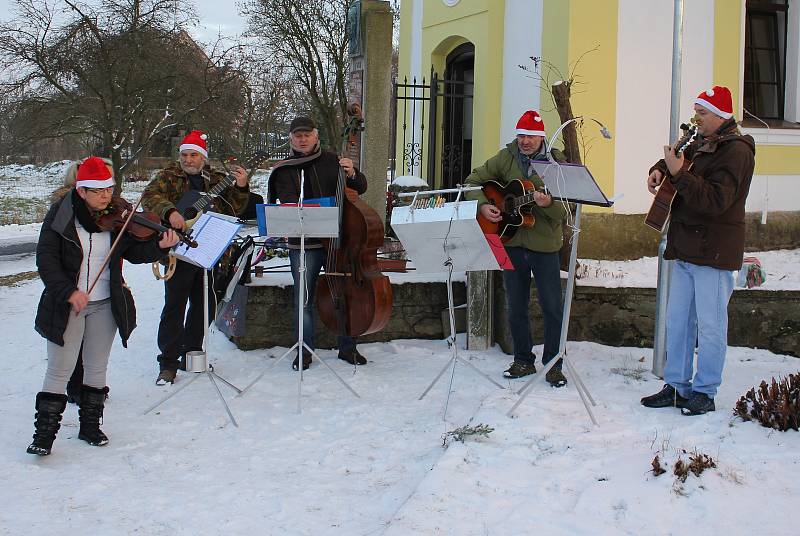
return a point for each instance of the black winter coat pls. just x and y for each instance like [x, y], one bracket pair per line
[321, 179]
[58, 258]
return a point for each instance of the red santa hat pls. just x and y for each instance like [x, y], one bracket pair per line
[531, 124]
[93, 173]
[195, 141]
[717, 100]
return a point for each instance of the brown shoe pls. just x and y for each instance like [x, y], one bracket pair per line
[519, 370]
[166, 376]
[555, 377]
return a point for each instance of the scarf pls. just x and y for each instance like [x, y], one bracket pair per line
[82, 213]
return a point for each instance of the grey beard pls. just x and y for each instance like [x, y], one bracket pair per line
[191, 170]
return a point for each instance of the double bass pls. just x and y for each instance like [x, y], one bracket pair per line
[353, 297]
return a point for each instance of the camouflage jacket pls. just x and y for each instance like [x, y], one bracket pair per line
[169, 185]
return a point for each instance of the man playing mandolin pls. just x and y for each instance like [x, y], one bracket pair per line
[532, 249]
[180, 332]
[321, 171]
[706, 240]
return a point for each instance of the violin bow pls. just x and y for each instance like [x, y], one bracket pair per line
[114, 245]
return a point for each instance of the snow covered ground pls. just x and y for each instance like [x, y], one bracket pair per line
[376, 465]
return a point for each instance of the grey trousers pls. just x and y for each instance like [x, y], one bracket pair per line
[95, 328]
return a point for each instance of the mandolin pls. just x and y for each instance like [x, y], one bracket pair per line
[658, 215]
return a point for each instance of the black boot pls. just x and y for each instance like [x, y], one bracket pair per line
[353, 357]
[91, 413]
[49, 408]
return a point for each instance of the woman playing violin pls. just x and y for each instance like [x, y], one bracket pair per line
[85, 300]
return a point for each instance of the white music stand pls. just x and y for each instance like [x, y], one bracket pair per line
[301, 222]
[567, 183]
[213, 233]
[452, 240]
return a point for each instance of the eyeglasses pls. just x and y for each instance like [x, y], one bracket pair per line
[98, 191]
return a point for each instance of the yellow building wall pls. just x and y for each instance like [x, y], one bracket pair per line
[580, 40]
[729, 47]
[777, 160]
[479, 22]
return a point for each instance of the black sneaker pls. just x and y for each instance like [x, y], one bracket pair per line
[306, 361]
[698, 404]
[555, 377]
[667, 397]
[518, 370]
[353, 357]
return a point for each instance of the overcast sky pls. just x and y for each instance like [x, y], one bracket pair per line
[216, 16]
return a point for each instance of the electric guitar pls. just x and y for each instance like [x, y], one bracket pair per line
[513, 200]
[194, 203]
[658, 215]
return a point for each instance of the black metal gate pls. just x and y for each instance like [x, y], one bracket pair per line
[420, 131]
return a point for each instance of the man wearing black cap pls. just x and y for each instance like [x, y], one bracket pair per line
[321, 172]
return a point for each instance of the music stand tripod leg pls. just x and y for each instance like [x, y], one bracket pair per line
[211, 375]
[526, 389]
[578, 380]
[333, 372]
[173, 393]
[212, 372]
[267, 369]
[454, 349]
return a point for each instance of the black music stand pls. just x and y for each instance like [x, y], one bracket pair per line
[300, 222]
[567, 183]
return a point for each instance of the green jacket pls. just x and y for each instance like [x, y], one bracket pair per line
[546, 234]
[169, 185]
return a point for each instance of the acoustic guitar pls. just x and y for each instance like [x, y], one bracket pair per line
[194, 203]
[658, 215]
[514, 201]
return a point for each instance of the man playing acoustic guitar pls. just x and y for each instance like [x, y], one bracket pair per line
[177, 335]
[706, 240]
[532, 249]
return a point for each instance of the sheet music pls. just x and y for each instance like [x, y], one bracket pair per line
[432, 236]
[571, 182]
[213, 235]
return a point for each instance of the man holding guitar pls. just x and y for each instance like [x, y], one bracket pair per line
[165, 195]
[535, 221]
[706, 240]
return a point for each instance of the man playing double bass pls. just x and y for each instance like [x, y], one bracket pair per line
[321, 171]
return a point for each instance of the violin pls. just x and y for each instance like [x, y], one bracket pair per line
[143, 225]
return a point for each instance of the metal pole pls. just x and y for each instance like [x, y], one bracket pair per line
[665, 267]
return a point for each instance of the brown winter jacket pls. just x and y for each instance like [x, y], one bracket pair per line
[707, 219]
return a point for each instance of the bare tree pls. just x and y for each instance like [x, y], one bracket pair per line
[119, 73]
[309, 42]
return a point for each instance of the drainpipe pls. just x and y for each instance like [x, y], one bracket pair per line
[664, 266]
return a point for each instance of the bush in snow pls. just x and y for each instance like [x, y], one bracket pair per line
[776, 405]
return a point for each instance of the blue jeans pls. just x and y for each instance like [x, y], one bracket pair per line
[545, 268]
[697, 314]
[315, 261]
